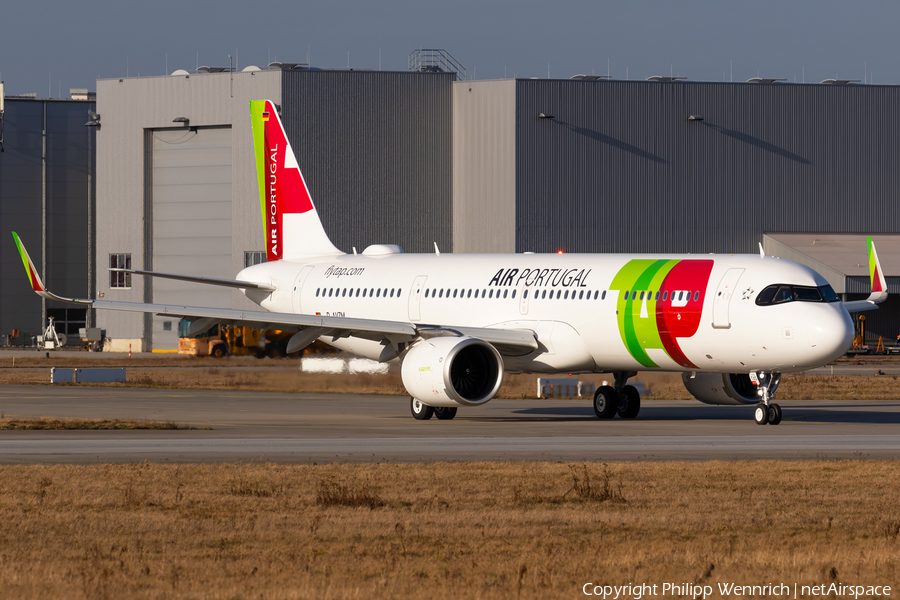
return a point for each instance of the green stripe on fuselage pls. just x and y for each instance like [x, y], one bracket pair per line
[637, 327]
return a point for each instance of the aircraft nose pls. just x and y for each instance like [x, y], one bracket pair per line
[830, 332]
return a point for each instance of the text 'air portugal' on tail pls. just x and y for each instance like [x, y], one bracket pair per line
[292, 226]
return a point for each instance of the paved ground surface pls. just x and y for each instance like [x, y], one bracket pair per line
[305, 428]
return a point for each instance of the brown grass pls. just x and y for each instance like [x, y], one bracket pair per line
[58, 423]
[283, 375]
[483, 530]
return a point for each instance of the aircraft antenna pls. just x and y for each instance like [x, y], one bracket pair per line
[762, 253]
[436, 250]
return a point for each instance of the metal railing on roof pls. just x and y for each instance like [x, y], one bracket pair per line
[435, 60]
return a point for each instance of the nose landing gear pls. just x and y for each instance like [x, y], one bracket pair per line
[766, 412]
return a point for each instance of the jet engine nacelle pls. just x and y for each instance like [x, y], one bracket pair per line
[726, 388]
[452, 371]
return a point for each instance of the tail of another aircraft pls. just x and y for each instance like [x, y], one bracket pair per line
[876, 275]
[876, 279]
[292, 225]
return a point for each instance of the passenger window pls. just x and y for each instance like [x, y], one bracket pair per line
[580, 294]
[558, 294]
[567, 295]
[665, 296]
[357, 292]
[378, 293]
[504, 293]
[469, 294]
[426, 293]
[525, 295]
[491, 294]
[454, 293]
[544, 295]
[642, 295]
[696, 296]
[317, 292]
[441, 294]
[330, 292]
[514, 294]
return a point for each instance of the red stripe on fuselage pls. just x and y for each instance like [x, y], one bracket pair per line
[674, 322]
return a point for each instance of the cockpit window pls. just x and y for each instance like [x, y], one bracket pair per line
[780, 293]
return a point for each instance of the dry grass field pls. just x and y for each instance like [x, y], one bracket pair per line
[43, 423]
[483, 530]
[283, 375]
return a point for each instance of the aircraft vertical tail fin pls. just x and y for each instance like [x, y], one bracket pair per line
[292, 225]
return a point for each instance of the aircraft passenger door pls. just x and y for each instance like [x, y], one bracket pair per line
[723, 296]
[298, 287]
[415, 297]
[524, 293]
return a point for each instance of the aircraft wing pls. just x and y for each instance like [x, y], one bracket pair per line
[308, 327]
[878, 284]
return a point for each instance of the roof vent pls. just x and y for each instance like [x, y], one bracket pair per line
[839, 81]
[382, 250]
[581, 77]
[665, 78]
[763, 80]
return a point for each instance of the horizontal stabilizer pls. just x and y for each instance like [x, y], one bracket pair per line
[233, 283]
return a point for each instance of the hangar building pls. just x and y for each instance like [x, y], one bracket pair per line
[46, 196]
[414, 158]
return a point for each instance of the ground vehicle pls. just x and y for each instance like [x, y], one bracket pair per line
[220, 340]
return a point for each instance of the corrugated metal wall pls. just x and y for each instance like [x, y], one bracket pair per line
[375, 149]
[25, 186]
[620, 168]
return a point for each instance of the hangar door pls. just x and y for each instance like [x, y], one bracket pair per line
[191, 211]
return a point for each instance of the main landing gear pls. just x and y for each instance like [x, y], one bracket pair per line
[423, 412]
[766, 411]
[622, 399]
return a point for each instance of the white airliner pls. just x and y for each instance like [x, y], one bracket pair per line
[730, 324]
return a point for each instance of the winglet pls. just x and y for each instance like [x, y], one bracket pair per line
[36, 284]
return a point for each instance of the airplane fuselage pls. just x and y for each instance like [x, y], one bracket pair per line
[591, 313]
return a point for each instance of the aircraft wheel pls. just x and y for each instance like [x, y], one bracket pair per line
[774, 414]
[629, 402]
[606, 402]
[420, 412]
[445, 413]
[761, 414]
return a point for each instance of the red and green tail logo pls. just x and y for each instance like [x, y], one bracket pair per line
[659, 302]
[874, 274]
